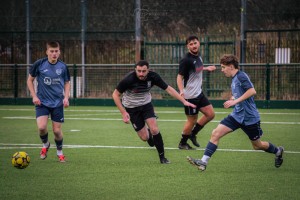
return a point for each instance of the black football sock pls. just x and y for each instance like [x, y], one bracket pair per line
[272, 148]
[59, 144]
[44, 138]
[184, 139]
[196, 129]
[159, 144]
[150, 140]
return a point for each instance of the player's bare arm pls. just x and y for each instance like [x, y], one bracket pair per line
[116, 97]
[210, 68]
[180, 84]
[35, 99]
[176, 95]
[67, 94]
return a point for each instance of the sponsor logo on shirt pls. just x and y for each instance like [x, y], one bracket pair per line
[47, 80]
[56, 81]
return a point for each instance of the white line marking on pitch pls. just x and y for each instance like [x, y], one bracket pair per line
[70, 146]
[166, 112]
[161, 120]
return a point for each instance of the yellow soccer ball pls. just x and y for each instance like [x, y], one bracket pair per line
[20, 160]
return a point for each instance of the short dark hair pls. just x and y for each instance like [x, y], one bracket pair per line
[53, 44]
[190, 38]
[142, 63]
[229, 59]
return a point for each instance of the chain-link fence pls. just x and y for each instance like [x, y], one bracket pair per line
[276, 46]
[271, 81]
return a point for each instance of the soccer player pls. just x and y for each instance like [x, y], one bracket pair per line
[136, 104]
[52, 95]
[189, 83]
[244, 115]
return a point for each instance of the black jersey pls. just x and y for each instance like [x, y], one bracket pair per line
[136, 92]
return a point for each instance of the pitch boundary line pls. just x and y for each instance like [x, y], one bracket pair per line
[70, 146]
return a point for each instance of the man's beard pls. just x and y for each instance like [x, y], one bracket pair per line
[194, 52]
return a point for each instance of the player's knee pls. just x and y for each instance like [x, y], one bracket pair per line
[211, 115]
[154, 130]
[42, 129]
[57, 133]
[144, 137]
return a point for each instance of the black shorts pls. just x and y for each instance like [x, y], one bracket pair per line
[200, 101]
[253, 131]
[138, 115]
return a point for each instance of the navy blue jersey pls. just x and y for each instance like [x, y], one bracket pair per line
[136, 92]
[244, 112]
[51, 79]
[191, 68]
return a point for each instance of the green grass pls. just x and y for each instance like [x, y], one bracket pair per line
[100, 170]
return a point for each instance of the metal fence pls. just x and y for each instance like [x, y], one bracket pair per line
[276, 46]
[273, 46]
[171, 50]
[272, 81]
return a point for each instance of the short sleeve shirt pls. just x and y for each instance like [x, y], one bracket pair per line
[191, 68]
[136, 92]
[51, 79]
[244, 112]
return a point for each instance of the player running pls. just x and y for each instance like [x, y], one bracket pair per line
[136, 104]
[244, 115]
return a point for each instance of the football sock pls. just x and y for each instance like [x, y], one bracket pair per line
[59, 152]
[150, 140]
[272, 149]
[205, 158]
[59, 144]
[184, 138]
[210, 149]
[44, 138]
[159, 144]
[46, 145]
[196, 129]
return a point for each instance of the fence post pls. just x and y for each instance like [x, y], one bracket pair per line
[74, 82]
[16, 81]
[206, 49]
[268, 85]
[206, 60]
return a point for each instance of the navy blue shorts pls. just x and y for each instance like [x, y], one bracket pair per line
[200, 101]
[138, 115]
[253, 131]
[57, 113]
